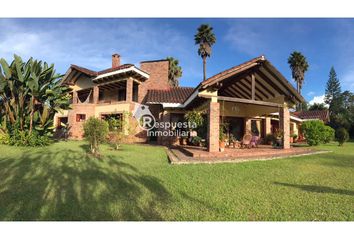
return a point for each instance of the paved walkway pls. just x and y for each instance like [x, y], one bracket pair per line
[192, 155]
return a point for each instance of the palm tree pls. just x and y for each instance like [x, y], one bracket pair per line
[205, 38]
[174, 71]
[298, 65]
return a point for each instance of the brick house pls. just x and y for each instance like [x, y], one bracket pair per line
[252, 95]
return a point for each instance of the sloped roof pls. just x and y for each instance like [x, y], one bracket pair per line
[172, 95]
[233, 70]
[262, 64]
[75, 70]
[315, 114]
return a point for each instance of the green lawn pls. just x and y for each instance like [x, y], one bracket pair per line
[61, 182]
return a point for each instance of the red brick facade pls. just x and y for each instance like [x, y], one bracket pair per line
[76, 130]
[213, 126]
[158, 79]
[284, 124]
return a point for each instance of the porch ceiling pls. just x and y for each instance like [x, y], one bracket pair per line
[256, 80]
[116, 84]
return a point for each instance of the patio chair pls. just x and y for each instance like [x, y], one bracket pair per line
[254, 141]
[246, 140]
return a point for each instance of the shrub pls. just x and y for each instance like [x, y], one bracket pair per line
[116, 138]
[28, 139]
[4, 138]
[317, 132]
[342, 136]
[328, 134]
[194, 118]
[95, 132]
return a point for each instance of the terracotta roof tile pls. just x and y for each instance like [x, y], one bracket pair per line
[233, 70]
[316, 114]
[172, 95]
[84, 70]
[92, 73]
[115, 69]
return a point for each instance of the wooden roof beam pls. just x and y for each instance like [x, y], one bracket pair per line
[274, 80]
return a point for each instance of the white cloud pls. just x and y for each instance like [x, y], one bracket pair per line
[311, 93]
[317, 99]
[90, 43]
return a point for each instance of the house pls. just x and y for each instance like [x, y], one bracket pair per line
[253, 96]
[322, 115]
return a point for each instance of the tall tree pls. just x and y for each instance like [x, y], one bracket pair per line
[205, 38]
[298, 65]
[174, 71]
[318, 106]
[334, 98]
[333, 92]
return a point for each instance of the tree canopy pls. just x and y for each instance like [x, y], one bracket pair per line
[298, 65]
[205, 38]
[174, 71]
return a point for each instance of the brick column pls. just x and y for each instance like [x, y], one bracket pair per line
[284, 125]
[96, 93]
[248, 125]
[213, 126]
[267, 126]
[75, 98]
[129, 90]
[165, 140]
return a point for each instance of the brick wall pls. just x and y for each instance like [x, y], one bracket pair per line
[284, 125]
[76, 130]
[158, 71]
[213, 126]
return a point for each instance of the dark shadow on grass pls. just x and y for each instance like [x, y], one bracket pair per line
[317, 189]
[338, 160]
[44, 184]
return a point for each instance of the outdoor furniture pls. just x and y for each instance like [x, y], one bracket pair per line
[246, 141]
[254, 141]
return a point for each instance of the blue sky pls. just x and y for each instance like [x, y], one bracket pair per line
[90, 43]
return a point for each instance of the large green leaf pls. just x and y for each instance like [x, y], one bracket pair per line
[6, 68]
[18, 64]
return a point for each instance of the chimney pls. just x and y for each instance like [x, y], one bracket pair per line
[115, 60]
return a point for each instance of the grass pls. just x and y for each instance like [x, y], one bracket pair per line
[62, 182]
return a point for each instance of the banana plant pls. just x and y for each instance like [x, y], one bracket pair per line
[30, 94]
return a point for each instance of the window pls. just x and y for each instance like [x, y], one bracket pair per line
[80, 117]
[121, 94]
[135, 92]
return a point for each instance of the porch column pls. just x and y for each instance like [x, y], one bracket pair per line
[75, 97]
[165, 140]
[213, 125]
[248, 125]
[284, 125]
[267, 126]
[129, 90]
[96, 93]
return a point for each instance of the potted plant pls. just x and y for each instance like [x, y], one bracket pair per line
[269, 139]
[278, 136]
[183, 140]
[294, 137]
[197, 141]
[222, 139]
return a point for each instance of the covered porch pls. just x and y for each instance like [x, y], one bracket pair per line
[245, 98]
